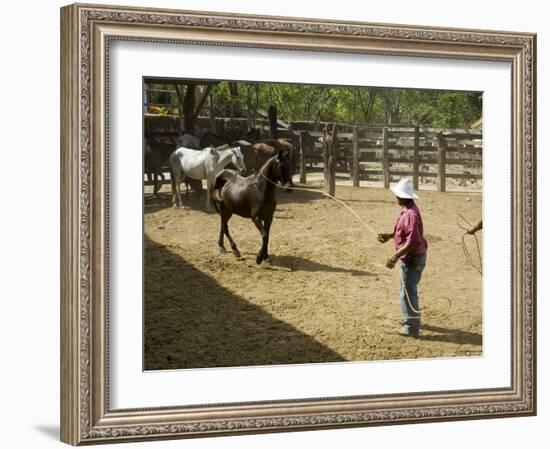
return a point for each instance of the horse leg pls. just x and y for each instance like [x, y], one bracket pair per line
[155, 183]
[208, 197]
[263, 250]
[220, 240]
[176, 196]
[158, 184]
[226, 215]
[267, 227]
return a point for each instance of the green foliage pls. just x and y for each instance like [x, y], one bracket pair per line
[359, 105]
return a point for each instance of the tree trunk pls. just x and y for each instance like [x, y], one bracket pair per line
[272, 116]
[235, 104]
[189, 109]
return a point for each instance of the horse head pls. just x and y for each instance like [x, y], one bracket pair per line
[237, 159]
[285, 177]
[279, 169]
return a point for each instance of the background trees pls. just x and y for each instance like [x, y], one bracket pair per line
[357, 105]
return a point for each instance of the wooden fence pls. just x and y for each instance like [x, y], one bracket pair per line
[364, 153]
[388, 152]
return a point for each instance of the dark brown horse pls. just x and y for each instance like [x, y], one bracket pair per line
[251, 197]
[156, 156]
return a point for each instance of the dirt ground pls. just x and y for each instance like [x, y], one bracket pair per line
[326, 297]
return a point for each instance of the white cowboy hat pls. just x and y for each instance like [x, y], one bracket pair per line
[404, 189]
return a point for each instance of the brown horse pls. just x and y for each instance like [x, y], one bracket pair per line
[256, 154]
[251, 197]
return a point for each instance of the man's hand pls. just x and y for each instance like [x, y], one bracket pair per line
[476, 227]
[383, 238]
[391, 261]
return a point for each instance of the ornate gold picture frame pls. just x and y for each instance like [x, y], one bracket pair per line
[87, 31]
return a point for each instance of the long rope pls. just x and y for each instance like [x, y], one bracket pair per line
[326, 194]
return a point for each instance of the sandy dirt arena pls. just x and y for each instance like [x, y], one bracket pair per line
[326, 297]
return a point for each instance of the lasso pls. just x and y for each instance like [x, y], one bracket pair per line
[465, 247]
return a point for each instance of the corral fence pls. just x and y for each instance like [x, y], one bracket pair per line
[385, 153]
[381, 154]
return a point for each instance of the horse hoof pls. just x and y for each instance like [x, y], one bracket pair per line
[268, 260]
[222, 250]
[237, 254]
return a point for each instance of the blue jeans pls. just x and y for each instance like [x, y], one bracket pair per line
[411, 272]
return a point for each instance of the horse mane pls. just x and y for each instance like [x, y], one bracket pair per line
[214, 153]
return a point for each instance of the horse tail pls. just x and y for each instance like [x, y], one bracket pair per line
[216, 190]
[216, 204]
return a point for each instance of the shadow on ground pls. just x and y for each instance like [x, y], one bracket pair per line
[451, 335]
[300, 264]
[194, 322]
[195, 199]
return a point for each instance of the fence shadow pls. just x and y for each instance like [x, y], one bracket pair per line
[191, 321]
[194, 200]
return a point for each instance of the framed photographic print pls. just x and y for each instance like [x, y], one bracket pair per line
[279, 224]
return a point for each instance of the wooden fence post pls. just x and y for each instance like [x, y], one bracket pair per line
[302, 137]
[332, 150]
[355, 167]
[326, 154]
[385, 158]
[416, 157]
[441, 161]
[332, 170]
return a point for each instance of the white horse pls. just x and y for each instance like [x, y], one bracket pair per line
[201, 164]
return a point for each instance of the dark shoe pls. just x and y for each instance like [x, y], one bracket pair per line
[406, 331]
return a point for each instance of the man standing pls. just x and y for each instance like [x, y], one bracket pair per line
[410, 249]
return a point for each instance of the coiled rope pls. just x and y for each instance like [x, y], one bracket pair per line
[465, 249]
